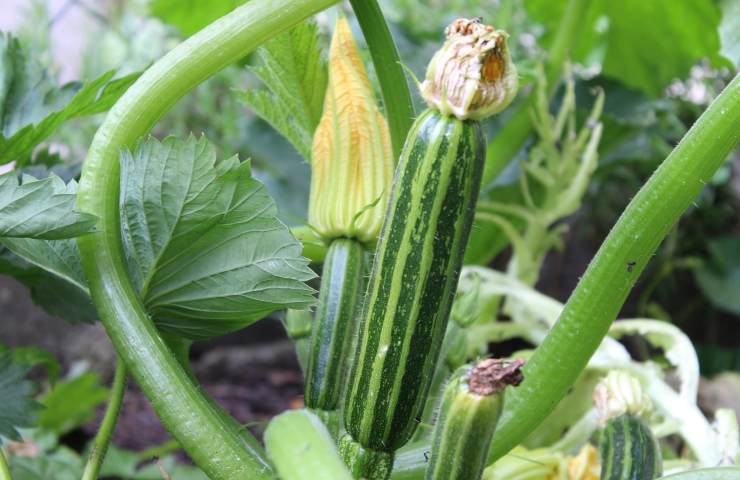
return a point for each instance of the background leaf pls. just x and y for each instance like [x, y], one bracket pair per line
[18, 409]
[32, 106]
[720, 281]
[729, 30]
[40, 208]
[204, 244]
[71, 403]
[293, 69]
[189, 16]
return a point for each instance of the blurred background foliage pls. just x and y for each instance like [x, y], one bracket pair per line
[659, 63]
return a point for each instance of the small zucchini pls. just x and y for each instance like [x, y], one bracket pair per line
[468, 417]
[628, 450]
[333, 327]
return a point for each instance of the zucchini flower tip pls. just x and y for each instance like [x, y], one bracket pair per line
[472, 75]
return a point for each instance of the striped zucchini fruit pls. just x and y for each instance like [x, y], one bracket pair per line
[412, 284]
[628, 450]
[331, 340]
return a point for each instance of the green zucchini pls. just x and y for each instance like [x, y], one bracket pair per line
[470, 411]
[333, 327]
[422, 241]
[628, 450]
[412, 284]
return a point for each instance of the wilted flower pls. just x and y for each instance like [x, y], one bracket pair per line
[620, 393]
[471, 76]
[351, 158]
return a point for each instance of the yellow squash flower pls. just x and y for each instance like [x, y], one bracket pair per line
[351, 159]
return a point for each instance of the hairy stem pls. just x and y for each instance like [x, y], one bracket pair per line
[393, 85]
[600, 294]
[102, 439]
[181, 406]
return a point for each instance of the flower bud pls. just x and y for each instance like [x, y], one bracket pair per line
[620, 393]
[471, 76]
[351, 158]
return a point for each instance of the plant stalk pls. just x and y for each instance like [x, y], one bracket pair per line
[399, 108]
[105, 432]
[4, 469]
[602, 290]
[180, 405]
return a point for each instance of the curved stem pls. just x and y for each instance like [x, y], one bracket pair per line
[181, 406]
[399, 107]
[600, 294]
[102, 439]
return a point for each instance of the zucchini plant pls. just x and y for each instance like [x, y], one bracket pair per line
[166, 244]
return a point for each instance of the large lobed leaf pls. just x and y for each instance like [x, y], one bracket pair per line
[40, 208]
[293, 69]
[32, 106]
[644, 44]
[204, 245]
[189, 16]
[18, 408]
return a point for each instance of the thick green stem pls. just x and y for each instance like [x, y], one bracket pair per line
[302, 448]
[512, 136]
[4, 469]
[181, 406]
[102, 439]
[600, 294]
[394, 87]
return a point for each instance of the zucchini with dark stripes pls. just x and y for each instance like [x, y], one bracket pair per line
[420, 250]
[339, 298]
[628, 450]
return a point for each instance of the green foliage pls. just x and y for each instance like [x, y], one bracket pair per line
[720, 280]
[120, 463]
[294, 71]
[32, 356]
[189, 16]
[204, 245]
[729, 30]
[32, 106]
[40, 208]
[644, 45]
[71, 403]
[18, 409]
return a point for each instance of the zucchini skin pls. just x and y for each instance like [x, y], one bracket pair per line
[463, 433]
[629, 451]
[415, 272]
[334, 324]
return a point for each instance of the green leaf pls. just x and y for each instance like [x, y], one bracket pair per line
[293, 69]
[205, 248]
[189, 16]
[121, 463]
[72, 403]
[32, 106]
[729, 30]
[31, 356]
[720, 280]
[18, 408]
[54, 277]
[40, 208]
[61, 463]
[651, 43]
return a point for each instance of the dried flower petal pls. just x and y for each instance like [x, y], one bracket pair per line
[472, 75]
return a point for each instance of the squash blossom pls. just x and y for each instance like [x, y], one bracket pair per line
[351, 159]
[618, 393]
[472, 75]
